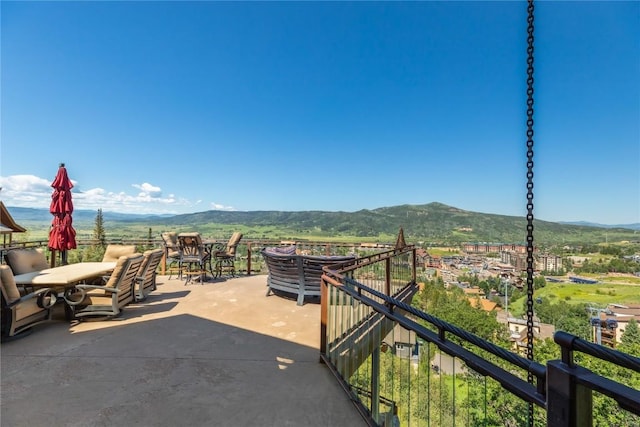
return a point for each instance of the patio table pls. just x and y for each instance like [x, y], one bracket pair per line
[65, 275]
[63, 279]
[210, 245]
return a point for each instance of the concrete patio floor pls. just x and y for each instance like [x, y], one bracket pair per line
[219, 353]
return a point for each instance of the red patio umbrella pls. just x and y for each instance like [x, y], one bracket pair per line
[62, 236]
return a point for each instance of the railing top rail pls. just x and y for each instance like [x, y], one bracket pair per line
[571, 343]
[345, 267]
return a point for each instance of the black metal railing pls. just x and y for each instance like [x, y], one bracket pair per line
[249, 259]
[402, 365]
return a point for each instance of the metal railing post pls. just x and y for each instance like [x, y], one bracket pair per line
[569, 404]
[375, 384]
[324, 307]
[413, 265]
[387, 276]
[249, 259]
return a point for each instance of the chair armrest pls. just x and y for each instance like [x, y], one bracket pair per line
[71, 294]
[87, 287]
[218, 247]
[26, 289]
[40, 294]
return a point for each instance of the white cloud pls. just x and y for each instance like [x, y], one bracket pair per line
[219, 207]
[31, 191]
[148, 190]
[25, 183]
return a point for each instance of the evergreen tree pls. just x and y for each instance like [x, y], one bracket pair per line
[631, 334]
[98, 229]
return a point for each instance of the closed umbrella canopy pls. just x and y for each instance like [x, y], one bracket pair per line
[62, 236]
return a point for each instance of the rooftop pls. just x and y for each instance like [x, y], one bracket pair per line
[219, 353]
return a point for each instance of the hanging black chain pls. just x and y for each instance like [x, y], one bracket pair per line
[530, 245]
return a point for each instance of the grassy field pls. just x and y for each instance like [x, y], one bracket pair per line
[443, 251]
[611, 290]
[214, 231]
[620, 280]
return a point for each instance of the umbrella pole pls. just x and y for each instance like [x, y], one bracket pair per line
[63, 258]
[52, 262]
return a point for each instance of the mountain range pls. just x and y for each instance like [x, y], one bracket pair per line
[634, 226]
[429, 222]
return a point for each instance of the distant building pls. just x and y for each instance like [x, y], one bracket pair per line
[403, 343]
[484, 304]
[474, 292]
[506, 265]
[609, 325]
[484, 248]
[516, 259]
[421, 255]
[433, 261]
[549, 262]
[518, 330]
[424, 259]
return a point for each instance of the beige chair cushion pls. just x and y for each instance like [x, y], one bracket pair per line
[114, 252]
[8, 283]
[170, 239]
[235, 238]
[171, 244]
[149, 256]
[26, 260]
[97, 298]
[117, 271]
[173, 254]
[150, 261]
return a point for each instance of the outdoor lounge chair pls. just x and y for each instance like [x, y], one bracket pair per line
[21, 312]
[146, 277]
[194, 259]
[26, 260]
[171, 253]
[225, 256]
[109, 299]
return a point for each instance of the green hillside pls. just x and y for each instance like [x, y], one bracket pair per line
[433, 222]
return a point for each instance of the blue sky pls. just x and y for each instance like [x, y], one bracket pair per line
[178, 107]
